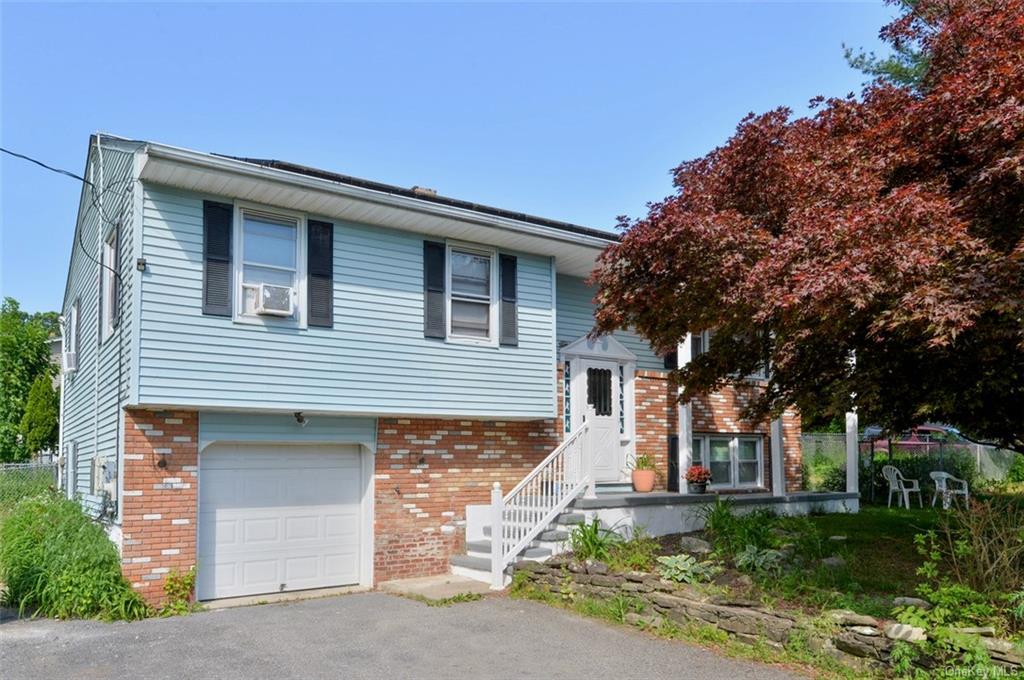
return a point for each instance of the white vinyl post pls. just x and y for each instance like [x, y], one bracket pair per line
[588, 453]
[852, 454]
[778, 459]
[497, 538]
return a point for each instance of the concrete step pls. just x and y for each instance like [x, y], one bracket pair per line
[613, 488]
[481, 564]
[483, 549]
[550, 535]
[553, 535]
[569, 518]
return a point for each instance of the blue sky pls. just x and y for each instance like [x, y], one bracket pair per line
[569, 111]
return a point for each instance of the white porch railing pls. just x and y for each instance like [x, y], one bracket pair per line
[520, 516]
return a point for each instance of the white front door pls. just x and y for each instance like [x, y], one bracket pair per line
[602, 395]
[275, 517]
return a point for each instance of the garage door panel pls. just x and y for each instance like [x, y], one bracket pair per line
[263, 523]
[302, 528]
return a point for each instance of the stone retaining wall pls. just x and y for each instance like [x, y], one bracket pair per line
[858, 641]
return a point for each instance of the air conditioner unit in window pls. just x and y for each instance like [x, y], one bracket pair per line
[274, 300]
[69, 361]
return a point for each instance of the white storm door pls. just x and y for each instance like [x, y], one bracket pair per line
[275, 518]
[602, 392]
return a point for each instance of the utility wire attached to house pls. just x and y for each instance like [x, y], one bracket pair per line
[92, 201]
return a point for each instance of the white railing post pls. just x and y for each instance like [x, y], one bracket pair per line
[588, 453]
[497, 538]
[852, 454]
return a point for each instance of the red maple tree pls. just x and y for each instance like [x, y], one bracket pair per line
[872, 251]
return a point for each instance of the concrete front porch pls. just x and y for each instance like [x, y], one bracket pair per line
[661, 513]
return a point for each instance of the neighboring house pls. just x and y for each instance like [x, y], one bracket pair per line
[296, 379]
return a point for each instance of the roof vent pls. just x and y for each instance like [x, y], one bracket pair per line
[424, 191]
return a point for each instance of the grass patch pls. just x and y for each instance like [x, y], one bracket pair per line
[880, 546]
[444, 601]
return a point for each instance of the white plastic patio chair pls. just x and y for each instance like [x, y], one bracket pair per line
[948, 486]
[899, 484]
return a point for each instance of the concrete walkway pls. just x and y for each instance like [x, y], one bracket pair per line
[368, 635]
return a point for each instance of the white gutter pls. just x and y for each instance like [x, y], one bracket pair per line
[211, 162]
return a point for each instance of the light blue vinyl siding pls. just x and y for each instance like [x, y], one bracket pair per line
[576, 319]
[267, 427]
[92, 414]
[374, 361]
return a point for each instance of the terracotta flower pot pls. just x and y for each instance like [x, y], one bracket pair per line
[643, 481]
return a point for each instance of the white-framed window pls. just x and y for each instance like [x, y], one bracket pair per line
[735, 461]
[472, 299]
[270, 267]
[701, 342]
[108, 285]
[70, 359]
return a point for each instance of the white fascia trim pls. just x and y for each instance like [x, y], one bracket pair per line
[446, 415]
[209, 161]
[139, 278]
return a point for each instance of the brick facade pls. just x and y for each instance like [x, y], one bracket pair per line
[657, 419]
[159, 504]
[428, 471]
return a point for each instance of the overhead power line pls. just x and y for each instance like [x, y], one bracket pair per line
[44, 165]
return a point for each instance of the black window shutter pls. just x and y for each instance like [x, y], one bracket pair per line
[320, 273]
[434, 321]
[508, 312]
[217, 258]
[672, 361]
[673, 463]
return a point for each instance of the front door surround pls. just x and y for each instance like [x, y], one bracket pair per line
[601, 378]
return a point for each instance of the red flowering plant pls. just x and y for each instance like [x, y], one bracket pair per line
[698, 474]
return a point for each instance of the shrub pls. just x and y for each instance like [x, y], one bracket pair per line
[686, 569]
[592, 541]
[1015, 474]
[178, 590]
[980, 545]
[730, 533]
[56, 562]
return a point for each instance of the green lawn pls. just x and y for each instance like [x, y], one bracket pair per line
[881, 562]
[880, 549]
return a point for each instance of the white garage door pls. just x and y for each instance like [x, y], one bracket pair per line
[275, 518]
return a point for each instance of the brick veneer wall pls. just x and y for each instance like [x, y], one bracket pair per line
[159, 504]
[657, 418]
[428, 471]
[793, 459]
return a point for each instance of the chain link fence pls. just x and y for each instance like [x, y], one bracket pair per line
[20, 480]
[824, 462]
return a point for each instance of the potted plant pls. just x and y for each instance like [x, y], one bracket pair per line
[643, 474]
[697, 478]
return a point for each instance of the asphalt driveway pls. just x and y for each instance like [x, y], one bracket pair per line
[369, 635]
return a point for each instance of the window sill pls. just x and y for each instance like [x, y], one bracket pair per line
[268, 322]
[456, 340]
